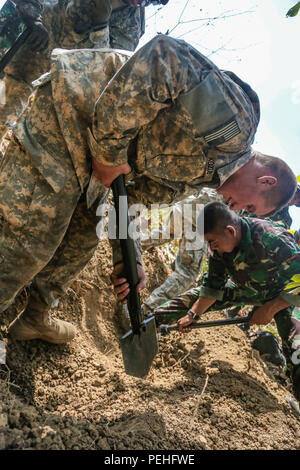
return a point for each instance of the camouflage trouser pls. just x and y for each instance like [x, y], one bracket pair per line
[46, 237]
[188, 261]
[288, 325]
[15, 94]
[187, 268]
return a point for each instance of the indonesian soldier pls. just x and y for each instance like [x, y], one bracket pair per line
[189, 258]
[169, 119]
[263, 261]
[72, 24]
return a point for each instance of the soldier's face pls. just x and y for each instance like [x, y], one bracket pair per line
[247, 196]
[222, 242]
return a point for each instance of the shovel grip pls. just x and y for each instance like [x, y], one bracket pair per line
[128, 254]
[207, 324]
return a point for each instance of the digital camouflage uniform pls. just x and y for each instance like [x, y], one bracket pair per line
[70, 27]
[188, 261]
[265, 265]
[47, 169]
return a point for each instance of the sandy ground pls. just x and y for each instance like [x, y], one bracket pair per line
[206, 390]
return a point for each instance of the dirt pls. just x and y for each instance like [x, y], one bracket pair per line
[206, 390]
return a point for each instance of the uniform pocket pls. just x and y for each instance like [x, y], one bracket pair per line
[17, 184]
[211, 111]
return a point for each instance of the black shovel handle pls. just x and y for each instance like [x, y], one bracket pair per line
[206, 324]
[14, 49]
[128, 253]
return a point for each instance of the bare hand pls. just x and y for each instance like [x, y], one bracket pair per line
[107, 174]
[184, 322]
[263, 315]
[121, 285]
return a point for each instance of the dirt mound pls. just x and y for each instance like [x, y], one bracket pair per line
[206, 390]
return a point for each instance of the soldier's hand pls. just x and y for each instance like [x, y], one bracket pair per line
[107, 174]
[263, 315]
[184, 322]
[39, 37]
[121, 285]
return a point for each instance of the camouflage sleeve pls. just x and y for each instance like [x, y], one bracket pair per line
[151, 80]
[283, 249]
[30, 8]
[88, 15]
[215, 279]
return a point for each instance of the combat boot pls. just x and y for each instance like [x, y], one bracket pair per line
[33, 324]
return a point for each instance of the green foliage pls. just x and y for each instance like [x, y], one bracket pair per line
[294, 10]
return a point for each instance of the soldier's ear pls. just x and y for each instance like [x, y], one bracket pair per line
[231, 230]
[267, 180]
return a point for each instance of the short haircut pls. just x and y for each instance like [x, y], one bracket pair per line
[281, 194]
[217, 216]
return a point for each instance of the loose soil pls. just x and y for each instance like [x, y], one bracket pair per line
[206, 390]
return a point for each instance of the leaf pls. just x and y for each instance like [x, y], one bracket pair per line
[298, 178]
[294, 10]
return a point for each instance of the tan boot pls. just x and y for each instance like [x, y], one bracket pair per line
[41, 326]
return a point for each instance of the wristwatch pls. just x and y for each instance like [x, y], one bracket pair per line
[192, 314]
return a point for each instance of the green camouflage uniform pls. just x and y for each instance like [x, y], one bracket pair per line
[281, 217]
[46, 171]
[69, 26]
[188, 261]
[265, 265]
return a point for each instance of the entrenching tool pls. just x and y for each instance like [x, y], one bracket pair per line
[14, 49]
[165, 329]
[14, 33]
[139, 345]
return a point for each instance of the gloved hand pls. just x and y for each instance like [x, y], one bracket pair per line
[30, 12]
[39, 37]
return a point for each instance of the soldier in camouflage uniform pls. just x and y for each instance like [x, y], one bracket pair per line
[72, 24]
[188, 261]
[145, 116]
[263, 261]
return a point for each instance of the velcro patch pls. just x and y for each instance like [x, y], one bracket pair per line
[223, 134]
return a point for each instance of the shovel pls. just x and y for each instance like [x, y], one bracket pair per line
[14, 49]
[165, 329]
[139, 345]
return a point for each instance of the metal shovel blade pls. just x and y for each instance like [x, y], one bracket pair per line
[140, 349]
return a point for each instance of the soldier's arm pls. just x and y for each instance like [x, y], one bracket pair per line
[88, 15]
[30, 8]
[31, 11]
[286, 254]
[212, 289]
[152, 79]
[214, 280]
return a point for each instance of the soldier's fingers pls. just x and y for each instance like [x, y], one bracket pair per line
[122, 295]
[122, 288]
[117, 281]
[186, 330]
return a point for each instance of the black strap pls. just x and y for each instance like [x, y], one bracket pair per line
[14, 49]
